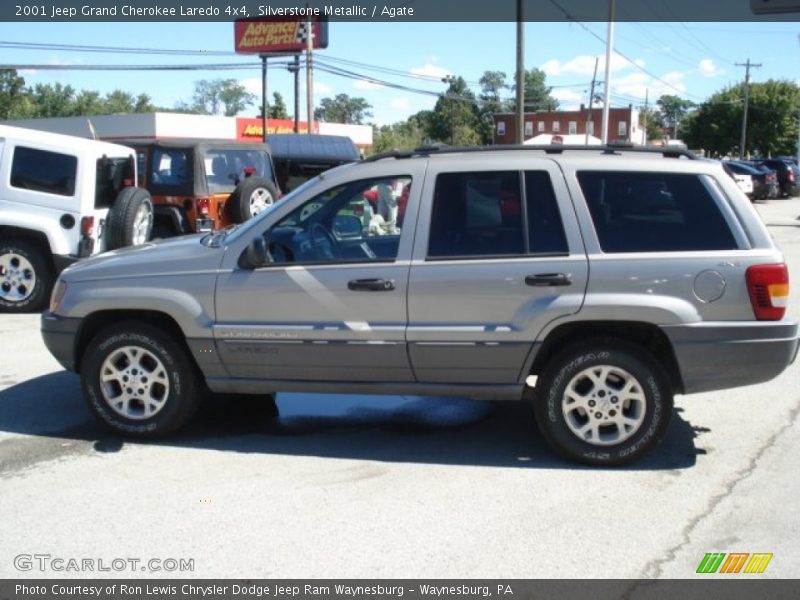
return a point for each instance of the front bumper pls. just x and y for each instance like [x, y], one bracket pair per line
[716, 356]
[59, 334]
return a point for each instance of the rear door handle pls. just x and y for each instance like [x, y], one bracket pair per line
[548, 279]
[371, 285]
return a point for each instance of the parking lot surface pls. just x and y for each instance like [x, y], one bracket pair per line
[361, 486]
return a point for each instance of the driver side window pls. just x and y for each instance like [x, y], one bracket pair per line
[360, 221]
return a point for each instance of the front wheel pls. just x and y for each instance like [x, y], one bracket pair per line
[139, 381]
[603, 402]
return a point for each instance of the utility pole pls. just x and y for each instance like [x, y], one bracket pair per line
[743, 139]
[591, 99]
[310, 75]
[264, 103]
[646, 99]
[294, 68]
[520, 74]
[609, 50]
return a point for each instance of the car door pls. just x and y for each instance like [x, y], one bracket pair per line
[332, 304]
[497, 256]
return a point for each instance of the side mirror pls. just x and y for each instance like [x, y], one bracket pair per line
[255, 255]
[347, 226]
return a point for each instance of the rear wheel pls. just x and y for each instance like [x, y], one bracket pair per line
[139, 381]
[26, 276]
[130, 221]
[603, 402]
[252, 196]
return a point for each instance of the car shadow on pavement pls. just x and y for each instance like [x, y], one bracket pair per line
[403, 429]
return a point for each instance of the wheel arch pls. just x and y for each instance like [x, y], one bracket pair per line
[12, 232]
[92, 324]
[645, 335]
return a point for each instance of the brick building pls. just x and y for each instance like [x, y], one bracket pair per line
[623, 124]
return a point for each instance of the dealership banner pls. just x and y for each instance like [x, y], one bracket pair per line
[396, 10]
[392, 589]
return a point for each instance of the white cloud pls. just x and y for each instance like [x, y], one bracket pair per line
[638, 85]
[431, 70]
[363, 84]
[584, 65]
[707, 68]
[568, 99]
[322, 88]
[400, 103]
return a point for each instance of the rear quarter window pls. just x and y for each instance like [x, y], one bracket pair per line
[44, 171]
[654, 212]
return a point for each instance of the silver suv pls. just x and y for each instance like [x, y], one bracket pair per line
[596, 282]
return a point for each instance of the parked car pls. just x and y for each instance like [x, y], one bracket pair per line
[612, 280]
[765, 180]
[743, 180]
[788, 174]
[300, 157]
[205, 185]
[62, 198]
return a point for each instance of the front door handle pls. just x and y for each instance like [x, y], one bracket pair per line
[371, 285]
[548, 279]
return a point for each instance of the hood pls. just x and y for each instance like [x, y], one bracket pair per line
[179, 256]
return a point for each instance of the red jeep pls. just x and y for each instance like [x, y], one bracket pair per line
[204, 185]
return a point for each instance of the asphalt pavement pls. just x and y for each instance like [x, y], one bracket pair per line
[364, 486]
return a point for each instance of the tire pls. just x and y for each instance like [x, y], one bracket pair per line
[130, 220]
[26, 276]
[163, 381]
[251, 196]
[627, 377]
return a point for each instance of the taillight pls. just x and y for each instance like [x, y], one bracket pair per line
[87, 227]
[791, 174]
[203, 206]
[768, 286]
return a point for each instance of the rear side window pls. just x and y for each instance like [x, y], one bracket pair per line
[545, 229]
[654, 212]
[44, 171]
[477, 214]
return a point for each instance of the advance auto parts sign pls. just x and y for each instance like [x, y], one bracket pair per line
[272, 35]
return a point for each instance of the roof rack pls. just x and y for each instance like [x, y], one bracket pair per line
[610, 148]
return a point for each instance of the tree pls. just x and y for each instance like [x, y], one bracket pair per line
[772, 126]
[406, 135]
[215, 96]
[278, 109]
[455, 118]
[490, 102]
[537, 93]
[118, 102]
[651, 118]
[343, 109]
[672, 109]
[12, 93]
[53, 100]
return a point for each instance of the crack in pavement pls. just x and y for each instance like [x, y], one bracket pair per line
[655, 568]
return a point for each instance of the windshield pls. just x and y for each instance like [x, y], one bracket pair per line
[246, 227]
[226, 166]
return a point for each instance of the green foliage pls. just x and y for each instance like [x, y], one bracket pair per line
[12, 93]
[278, 109]
[651, 119]
[671, 110]
[343, 109]
[218, 96]
[772, 120]
[455, 119]
[537, 93]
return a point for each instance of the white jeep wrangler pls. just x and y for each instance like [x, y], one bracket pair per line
[62, 198]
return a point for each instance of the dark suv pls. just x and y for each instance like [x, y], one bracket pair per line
[788, 174]
[205, 185]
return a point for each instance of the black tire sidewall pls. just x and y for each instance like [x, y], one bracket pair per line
[240, 198]
[122, 215]
[42, 269]
[182, 398]
[549, 398]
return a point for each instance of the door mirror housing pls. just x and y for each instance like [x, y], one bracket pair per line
[256, 255]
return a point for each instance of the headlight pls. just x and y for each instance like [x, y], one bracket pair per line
[58, 294]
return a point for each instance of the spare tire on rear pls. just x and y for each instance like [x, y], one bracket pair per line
[251, 196]
[130, 220]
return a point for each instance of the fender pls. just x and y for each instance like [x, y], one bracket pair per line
[41, 220]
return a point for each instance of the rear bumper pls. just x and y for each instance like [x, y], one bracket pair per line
[59, 335]
[716, 356]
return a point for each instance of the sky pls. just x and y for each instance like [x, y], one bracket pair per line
[692, 60]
